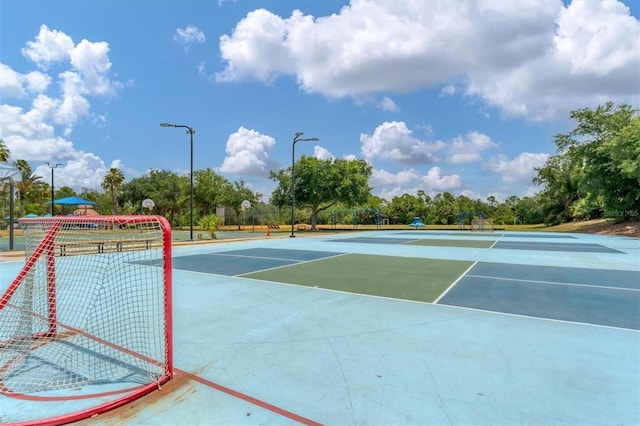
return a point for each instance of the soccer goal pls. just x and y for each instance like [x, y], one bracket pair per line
[482, 225]
[90, 307]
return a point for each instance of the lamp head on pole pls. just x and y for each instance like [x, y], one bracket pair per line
[297, 139]
[190, 132]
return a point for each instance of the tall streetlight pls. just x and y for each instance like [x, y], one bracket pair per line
[52, 190]
[296, 139]
[190, 132]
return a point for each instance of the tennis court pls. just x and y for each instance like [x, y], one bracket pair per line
[395, 327]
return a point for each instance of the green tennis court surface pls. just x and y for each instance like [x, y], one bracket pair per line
[489, 241]
[385, 276]
[527, 235]
[601, 297]
[453, 243]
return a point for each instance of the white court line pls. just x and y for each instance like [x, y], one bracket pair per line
[554, 283]
[518, 245]
[242, 256]
[294, 262]
[455, 282]
[544, 319]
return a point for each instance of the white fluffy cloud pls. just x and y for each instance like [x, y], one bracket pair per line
[32, 133]
[382, 177]
[256, 47]
[597, 38]
[322, 153]
[29, 135]
[468, 148]
[394, 141]
[248, 152]
[16, 85]
[189, 35]
[92, 65]
[436, 181]
[80, 170]
[519, 169]
[388, 104]
[50, 46]
[85, 73]
[531, 58]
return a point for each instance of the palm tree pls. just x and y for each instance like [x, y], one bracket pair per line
[4, 151]
[29, 182]
[4, 156]
[113, 182]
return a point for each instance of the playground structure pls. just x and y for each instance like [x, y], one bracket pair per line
[417, 223]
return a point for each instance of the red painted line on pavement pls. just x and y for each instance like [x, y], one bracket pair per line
[248, 398]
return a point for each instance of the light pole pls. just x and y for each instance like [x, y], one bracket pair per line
[190, 132]
[296, 139]
[52, 191]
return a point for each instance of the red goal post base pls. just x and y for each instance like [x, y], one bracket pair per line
[91, 306]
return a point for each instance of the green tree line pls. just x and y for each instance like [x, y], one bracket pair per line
[595, 173]
[596, 170]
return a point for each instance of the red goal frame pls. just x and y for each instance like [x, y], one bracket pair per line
[48, 252]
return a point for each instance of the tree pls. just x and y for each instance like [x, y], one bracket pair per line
[529, 210]
[404, 208]
[596, 169]
[505, 213]
[64, 192]
[446, 208]
[165, 188]
[29, 184]
[235, 194]
[321, 184]
[465, 205]
[560, 188]
[113, 182]
[208, 190]
[622, 151]
[210, 224]
[4, 151]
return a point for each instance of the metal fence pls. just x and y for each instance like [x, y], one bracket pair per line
[261, 214]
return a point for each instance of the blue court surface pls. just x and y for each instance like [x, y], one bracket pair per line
[534, 329]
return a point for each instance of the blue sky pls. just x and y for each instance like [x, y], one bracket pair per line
[454, 96]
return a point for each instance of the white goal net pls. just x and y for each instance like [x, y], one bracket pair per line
[91, 306]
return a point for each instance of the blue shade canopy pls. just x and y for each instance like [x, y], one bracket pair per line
[31, 215]
[72, 201]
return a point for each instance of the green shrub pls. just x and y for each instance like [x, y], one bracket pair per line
[210, 224]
